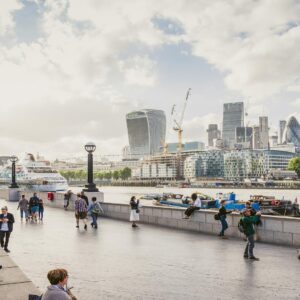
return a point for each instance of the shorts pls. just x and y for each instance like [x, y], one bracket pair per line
[81, 215]
[34, 209]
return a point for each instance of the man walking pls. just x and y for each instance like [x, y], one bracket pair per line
[222, 215]
[95, 209]
[80, 211]
[85, 198]
[23, 206]
[247, 222]
[6, 227]
[34, 206]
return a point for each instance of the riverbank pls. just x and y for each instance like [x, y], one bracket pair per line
[275, 229]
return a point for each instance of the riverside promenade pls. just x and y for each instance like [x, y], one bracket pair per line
[149, 262]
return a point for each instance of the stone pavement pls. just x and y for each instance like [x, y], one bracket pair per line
[14, 284]
[150, 262]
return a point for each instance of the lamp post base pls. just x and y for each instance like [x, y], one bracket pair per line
[90, 188]
[14, 186]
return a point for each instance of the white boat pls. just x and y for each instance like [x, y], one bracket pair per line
[37, 174]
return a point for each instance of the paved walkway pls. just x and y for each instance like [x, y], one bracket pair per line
[118, 262]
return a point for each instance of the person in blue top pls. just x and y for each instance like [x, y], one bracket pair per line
[95, 209]
[248, 221]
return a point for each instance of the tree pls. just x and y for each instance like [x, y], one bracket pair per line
[125, 173]
[294, 165]
[116, 175]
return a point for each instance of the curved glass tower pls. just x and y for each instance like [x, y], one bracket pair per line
[291, 133]
[146, 132]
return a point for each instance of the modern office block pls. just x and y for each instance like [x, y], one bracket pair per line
[233, 117]
[146, 132]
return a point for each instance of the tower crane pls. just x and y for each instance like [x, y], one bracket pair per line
[178, 124]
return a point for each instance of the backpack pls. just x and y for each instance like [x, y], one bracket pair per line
[96, 208]
[241, 226]
[217, 217]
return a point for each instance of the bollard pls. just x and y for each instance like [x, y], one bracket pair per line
[298, 253]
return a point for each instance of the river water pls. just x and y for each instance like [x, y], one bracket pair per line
[123, 194]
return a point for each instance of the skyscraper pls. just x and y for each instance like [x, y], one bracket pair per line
[263, 133]
[256, 141]
[282, 124]
[291, 133]
[146, 132]
[233, 117]
[243, 136]
[213, 133]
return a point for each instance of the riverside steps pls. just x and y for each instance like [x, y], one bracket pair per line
[14, 284]
[275, 229]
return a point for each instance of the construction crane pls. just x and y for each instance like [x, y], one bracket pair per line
[178, 124]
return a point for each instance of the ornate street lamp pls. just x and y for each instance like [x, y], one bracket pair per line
[90, 186]
[13, 159]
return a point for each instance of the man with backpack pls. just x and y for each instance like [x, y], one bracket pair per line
[246, 226]
[95, 209]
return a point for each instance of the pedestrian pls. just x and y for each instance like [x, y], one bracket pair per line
[67, 197]
[34, 206]
[41, 209]
[222, 216]
[95, 209]
[23, 206]
[196, 205]
[247, 222]
[80, 211]
[6, 227]
[58, 290]
[135, 212]
[83, 196]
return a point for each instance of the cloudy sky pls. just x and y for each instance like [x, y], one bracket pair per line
[71, 69]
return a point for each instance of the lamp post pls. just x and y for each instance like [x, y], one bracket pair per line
[90, 186]
[13, 159]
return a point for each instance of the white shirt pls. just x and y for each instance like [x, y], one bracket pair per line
[4, 226]
[198, 202]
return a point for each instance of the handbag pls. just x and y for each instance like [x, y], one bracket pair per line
[34, 297]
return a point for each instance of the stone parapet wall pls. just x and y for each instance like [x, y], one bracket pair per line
[274, 229]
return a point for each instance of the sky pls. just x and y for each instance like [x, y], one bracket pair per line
[70, 70]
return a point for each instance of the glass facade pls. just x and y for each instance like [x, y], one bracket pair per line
[291, 133]
[233, 117]
[146, 132]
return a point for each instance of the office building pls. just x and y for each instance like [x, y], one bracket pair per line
[233, 117]
[291, 133]
[243, 137]
[146, 132]
[263, 133]
[282, 124]
[256, 138]
[188, 146]
[213, 133]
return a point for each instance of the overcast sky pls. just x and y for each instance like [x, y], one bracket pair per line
[71, 69]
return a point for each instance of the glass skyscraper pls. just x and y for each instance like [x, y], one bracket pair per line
[233, 117]
[146, 132]
[291, 133]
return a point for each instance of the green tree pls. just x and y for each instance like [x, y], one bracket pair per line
[116, 175]
[294, 165]
[107, 175]
[125, 173]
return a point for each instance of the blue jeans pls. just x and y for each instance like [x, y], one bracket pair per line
[41, 214]
[24, 212]
[94, 217]
[249, 246]
[224, 225]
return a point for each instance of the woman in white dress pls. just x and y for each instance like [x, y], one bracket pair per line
[134, 212]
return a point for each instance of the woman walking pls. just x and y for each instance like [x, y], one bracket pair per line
[135, 212]
[41, 209]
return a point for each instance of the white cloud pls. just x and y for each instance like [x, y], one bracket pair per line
[7, 8]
